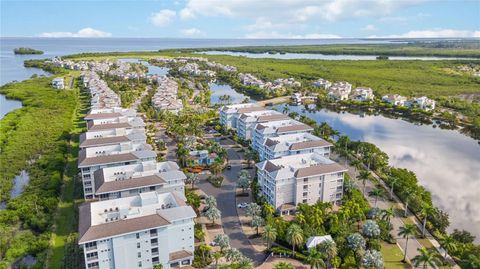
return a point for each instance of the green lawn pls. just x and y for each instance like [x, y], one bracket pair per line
[392, 256]
[66, 218]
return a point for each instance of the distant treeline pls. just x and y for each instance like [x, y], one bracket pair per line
[27, 51]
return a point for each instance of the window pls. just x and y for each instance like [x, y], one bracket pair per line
[92, 265]
[137, 235]
[305, 194]
[305, 180]
[305, 187]
[154, 241]
[139, 254]
[88, 189]
[340, 174]
[155, 260]
[304, 201]
[138, 245]
[139, 264]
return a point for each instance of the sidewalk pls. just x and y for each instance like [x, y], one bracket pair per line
[397, 222]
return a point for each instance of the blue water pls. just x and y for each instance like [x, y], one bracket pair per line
[7, 105]
[224, 89]
[446, 162]
[317, 56]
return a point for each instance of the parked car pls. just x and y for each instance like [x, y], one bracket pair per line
[242, 205]
[213, 243]
[229, 167]
[203, 197]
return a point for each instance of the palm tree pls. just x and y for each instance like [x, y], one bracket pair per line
[356, 164]
[364, 176]
[315, 259]
[392, 183]
[192, 178]
[471, 262]
[377, 193]
[330, 248]
[406, 231]
[250, 156]
[426, 257]
[409, 194]
[216, 168]
[448, 243]
[245, 263]
[216, 256]
[388, 213]
[294, 236]
[269, 234]
[425, 211]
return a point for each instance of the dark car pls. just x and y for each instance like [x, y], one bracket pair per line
[229, 167]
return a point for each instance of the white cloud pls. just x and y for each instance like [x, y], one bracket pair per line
[369, 27]
[186, 14]
[85, 32]
[435, 33]
[192, 32]
[163, 17]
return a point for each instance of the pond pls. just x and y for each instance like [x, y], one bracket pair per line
[317, 56]
[8, 105]
[19, 184]
[447, 163]
[152, 69]
[219, 90]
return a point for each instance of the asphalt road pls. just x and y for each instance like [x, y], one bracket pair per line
[226, 202]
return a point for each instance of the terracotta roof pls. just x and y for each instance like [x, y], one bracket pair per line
[102, 141]
[319, 170]
[250, 109]
[177, 255]
[291, 128]
[96, 127]
[309, 144]
[119, 185]
[270, 167]
[83, 161]
[269, 142]
[272, 118]
[102, 116]
[91, 233]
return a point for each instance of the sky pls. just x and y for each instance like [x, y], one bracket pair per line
[241, 18]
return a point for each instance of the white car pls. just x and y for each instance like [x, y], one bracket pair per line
[242, 205]
[213, 243]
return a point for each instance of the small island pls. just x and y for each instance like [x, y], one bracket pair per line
[26, 51]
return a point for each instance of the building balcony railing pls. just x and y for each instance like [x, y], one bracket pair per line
[93, 258]
[91, 248]
[153, 234]
[155, 253]
[154, 244]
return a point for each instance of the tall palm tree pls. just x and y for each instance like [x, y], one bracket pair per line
[330, 249]
[471, 262]
[315, 259]
[425, 211]
[426, 257]
[216, 256]
[376, 193]
[245, 263]
[269, 234]
[294, 236]
[388, 213]
[448, 243]
[356, 164]
[407, 231]
[364, 176]
[392, 184]
[409, 195]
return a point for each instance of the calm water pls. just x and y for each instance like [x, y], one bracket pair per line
[7, 105]
[316, 56]
[12, 65]
[224, 89]
[152, 69]
[446, 162]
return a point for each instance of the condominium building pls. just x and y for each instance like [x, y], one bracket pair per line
[293, 144]
[128, 180]
[339, 90]
[277, 128]
[91, 139]
[362, 94]
[305, 178]
[230, 114]
[94, 158]
[247, 121]
[137, 232]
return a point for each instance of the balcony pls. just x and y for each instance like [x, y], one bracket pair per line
[93, 258]
[154, 244]
[91, 248]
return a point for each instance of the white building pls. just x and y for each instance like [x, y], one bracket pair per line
[137, 232]
[88, 140]
[128, 180]
[165, 98]
[247, 121]
[340, 90]
[322, 83]
[293, 144]
[362, 94]
[58, 83]
[93, 158]
[229, 114]
[423, 102]
[305, 178]
[277, 128]
[394, 99]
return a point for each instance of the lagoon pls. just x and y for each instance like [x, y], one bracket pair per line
[225, 89]
[317, 56]
[8, 105]
[447, 163]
